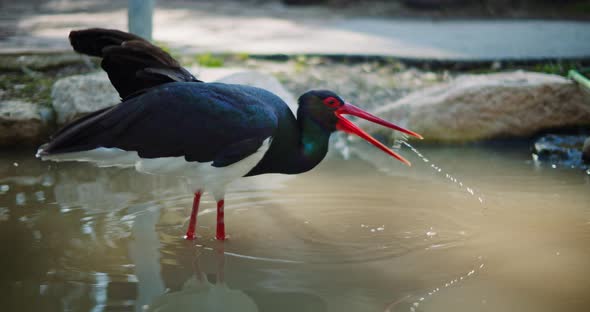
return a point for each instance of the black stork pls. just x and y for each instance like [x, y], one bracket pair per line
[169, 122]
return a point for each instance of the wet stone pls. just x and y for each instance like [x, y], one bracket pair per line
[560, 150]
[22, 122]
[586, 151]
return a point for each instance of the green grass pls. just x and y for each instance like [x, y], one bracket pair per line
[556, 68]
[35, 89]
[209, 60]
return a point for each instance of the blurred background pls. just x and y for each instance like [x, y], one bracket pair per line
[494, 214]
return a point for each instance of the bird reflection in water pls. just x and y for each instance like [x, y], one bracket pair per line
[210, 292]
[198, 293]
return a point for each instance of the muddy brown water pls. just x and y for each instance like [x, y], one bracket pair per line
[467, 229]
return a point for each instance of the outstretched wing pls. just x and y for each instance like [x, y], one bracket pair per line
[133, 64]
[202, 122]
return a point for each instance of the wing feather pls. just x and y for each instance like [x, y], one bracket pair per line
[133, 64]
[198, 121]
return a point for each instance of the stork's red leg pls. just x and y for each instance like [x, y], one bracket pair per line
[220, 222]
[190, 233]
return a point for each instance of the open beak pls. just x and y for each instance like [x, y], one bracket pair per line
[347, 126]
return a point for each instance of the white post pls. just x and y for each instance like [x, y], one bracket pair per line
[140, 14]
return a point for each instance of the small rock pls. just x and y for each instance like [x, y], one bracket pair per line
[559, 150]
[40, 61]
[79, 95]
[586, 151]
[480, 107]
[23, 122]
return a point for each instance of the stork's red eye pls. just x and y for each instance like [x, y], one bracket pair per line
[331, 102]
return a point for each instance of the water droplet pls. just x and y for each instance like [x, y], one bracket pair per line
[4, 188]
[4, 214]
[15, 164]
[381, 228]
[21, 198]
[553, 166]
[430, 233]
[47, 181]
[40, 195]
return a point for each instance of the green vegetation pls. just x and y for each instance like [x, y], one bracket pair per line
[242, 57]
[209, 60]
[580, 7]
[35, 88]
[556, 68]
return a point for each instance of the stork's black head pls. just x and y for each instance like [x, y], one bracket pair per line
[326, 109]
[320, 106]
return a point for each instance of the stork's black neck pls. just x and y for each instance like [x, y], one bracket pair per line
[314, 141]
[298, 146]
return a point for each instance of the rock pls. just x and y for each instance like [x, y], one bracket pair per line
[586, 151]
[559, 150]
[23, 123]
[78, 95]
[40, 61]
[480, 107]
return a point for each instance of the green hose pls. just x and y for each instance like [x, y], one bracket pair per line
[579, 78]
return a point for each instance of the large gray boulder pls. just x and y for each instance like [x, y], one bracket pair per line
[23, 122]
[480, 107]
[78, 95]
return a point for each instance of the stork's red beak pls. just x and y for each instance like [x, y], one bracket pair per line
[347, 126]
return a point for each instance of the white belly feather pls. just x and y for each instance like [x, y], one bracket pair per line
[203, 175]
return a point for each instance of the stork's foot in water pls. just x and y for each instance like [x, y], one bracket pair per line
[220, 221]
[190, 232]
